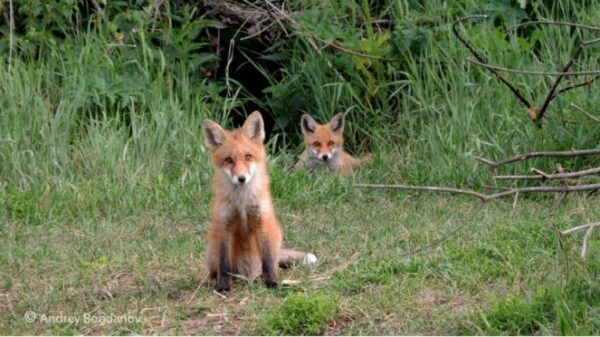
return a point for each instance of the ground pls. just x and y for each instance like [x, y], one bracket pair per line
[146, 272]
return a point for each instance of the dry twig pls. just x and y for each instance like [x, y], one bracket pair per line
[447, 236]
[550, 22]
[482, 60]
[487, 197]
[534, 72]
[586, 237]
[495, 164]
[576, 107]
[543, 176]
[327, 275]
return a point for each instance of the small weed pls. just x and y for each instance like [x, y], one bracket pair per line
[300, 314]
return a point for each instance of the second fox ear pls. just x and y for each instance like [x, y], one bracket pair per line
[255, 127]
[307, 124]
[337, 123]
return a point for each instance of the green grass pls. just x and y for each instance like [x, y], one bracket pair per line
[105, 184]
[299, 314]
[504, 274]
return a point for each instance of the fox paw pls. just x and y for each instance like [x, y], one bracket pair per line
[270, 282]
[223, 286]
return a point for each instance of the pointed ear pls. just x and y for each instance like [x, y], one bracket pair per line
[307, 124]
[214, 135]
[337, 123]
[254, 127]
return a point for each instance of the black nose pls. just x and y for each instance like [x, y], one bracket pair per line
[242, 179]
[325, 157]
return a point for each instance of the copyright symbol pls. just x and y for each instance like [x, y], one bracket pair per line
[30, 316]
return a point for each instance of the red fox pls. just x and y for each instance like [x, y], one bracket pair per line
[244, 237]
[325, 146]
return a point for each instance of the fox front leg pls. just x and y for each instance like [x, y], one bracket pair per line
[269, 271]
[223, 278]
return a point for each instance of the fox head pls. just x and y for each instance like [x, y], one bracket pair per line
[324, 142]
[238, 154]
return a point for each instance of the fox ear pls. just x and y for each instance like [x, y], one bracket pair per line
[307, 124]
[214, 135]
[337, 123]
[254, 127]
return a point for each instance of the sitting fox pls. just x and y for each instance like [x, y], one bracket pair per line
[324, 145]
[245, 237]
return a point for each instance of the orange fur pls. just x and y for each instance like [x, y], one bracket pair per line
[245, 237]
[325, 146]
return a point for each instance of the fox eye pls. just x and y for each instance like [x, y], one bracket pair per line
[330, 143]
[317, 144]
[248, 157]
[228, 160]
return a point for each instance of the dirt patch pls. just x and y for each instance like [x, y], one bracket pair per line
[428, 301]
[118, 284]
[340, 325]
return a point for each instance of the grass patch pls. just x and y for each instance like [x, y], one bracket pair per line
[570, 310]
[300, 314]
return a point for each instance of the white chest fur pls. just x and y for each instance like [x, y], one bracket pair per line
[241, 203]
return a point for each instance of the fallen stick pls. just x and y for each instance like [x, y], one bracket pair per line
[453, 232]
[325, 276]
[579, 228]
[495, 164]
[543, 176]
[586, 237]
[487, 197]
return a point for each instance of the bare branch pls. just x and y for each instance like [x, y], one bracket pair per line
[487, 197]
[578, 228]
[467, 222]
[574, 86]
[493, 165]
[355, 53]
[549, 22]
[550, 94]
[478, 195]
[519, 177]
[543, 176]
[325, 276]
[482, 60]
[534, 112]
[586, 238]
[533, 72]
[594, 118]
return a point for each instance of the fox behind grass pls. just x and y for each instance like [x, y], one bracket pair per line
[244, 237]
[325, 146]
